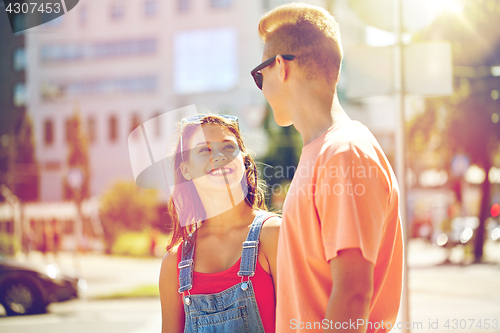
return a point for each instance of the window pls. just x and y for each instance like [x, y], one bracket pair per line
[117, 11]
[68, 129]
[135, 123]
[19, 22]
[54, 90]
[52, 19]
[91, 129]
[19, 59]
[200, 56]
[20, 95]
[157, 125]
[150, 7]
[113, 128]
[183, 5]
[48, 132]
[108, 49]
[83, 15]
[220, 3]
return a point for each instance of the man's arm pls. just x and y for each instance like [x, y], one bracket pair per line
[351, 292]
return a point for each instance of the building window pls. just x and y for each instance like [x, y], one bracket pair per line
[113, 129]
[117, 11]
[136, 122]
[150, 7]
[48, 132]
[68, 130]
[199, 56]
[19, 59]
[108, 49]
[83, 15]
[183, 5]
[91, 129]
[157, 125]
[20, 95]
[19, 22]
[220, 3]
[50, 21]
[55, 90]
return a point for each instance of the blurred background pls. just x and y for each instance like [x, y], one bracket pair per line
[422, 75]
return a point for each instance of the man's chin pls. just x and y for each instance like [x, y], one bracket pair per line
[281, 121]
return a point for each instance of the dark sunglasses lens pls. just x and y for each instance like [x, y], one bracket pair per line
[258, 78]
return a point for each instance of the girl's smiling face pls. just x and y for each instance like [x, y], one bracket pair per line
[215, 161]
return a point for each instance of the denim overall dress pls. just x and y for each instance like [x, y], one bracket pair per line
[232, 310]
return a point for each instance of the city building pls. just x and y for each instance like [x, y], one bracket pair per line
[119, 63]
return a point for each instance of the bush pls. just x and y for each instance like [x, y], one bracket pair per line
[9, 245]
[126, 207]
[137, 244]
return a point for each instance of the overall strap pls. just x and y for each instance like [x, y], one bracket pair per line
[251, 246]
[186, 265]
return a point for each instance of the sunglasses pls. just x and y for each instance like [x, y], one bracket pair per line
[197, 120]
[257, 75]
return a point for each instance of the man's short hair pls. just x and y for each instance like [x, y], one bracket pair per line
[308, 32]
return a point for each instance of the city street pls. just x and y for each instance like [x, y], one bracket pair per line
[439, 292]
[80, 316]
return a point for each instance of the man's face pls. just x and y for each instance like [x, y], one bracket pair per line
[274, 92]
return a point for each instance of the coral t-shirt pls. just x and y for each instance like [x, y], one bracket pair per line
[343, 195]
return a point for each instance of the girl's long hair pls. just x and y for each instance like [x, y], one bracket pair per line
[185, 206]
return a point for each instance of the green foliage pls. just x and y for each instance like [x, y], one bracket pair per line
[147, 290]
[468, 114]
[126, 207]
[137, 244]
[9, 245]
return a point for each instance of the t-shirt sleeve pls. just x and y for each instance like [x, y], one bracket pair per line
[351, 199]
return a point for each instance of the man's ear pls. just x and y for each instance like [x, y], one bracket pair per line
[185, 171]
[282, 68]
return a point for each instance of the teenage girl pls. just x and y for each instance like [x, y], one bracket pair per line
[219, 272]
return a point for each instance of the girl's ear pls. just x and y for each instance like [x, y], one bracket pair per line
[185, 171]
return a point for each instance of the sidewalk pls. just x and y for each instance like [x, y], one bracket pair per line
[463, 295]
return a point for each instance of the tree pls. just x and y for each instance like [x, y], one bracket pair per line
[126, 207]
[284, 144]
[471, 118]
[78, 157]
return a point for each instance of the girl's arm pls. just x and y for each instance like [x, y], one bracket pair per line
[269, 241]
[172, 309]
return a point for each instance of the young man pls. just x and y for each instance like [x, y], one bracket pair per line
[340, 251]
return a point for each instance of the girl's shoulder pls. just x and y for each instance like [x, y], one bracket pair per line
[270, 229]
[170, 259]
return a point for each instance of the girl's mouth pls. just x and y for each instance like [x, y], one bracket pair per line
[220, 172]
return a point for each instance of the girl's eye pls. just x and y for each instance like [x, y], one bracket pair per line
[230, 146]
[203, 149]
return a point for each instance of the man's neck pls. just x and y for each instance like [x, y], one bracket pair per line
[314, 114]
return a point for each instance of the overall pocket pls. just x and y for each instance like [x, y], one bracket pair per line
[232, 320]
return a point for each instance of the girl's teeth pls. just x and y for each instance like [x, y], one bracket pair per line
[219, 171]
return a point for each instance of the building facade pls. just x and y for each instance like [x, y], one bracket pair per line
[121, 63]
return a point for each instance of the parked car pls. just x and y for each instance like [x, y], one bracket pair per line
[28, 289]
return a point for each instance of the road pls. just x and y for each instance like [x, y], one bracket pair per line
[78, 316]
[468, 293]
